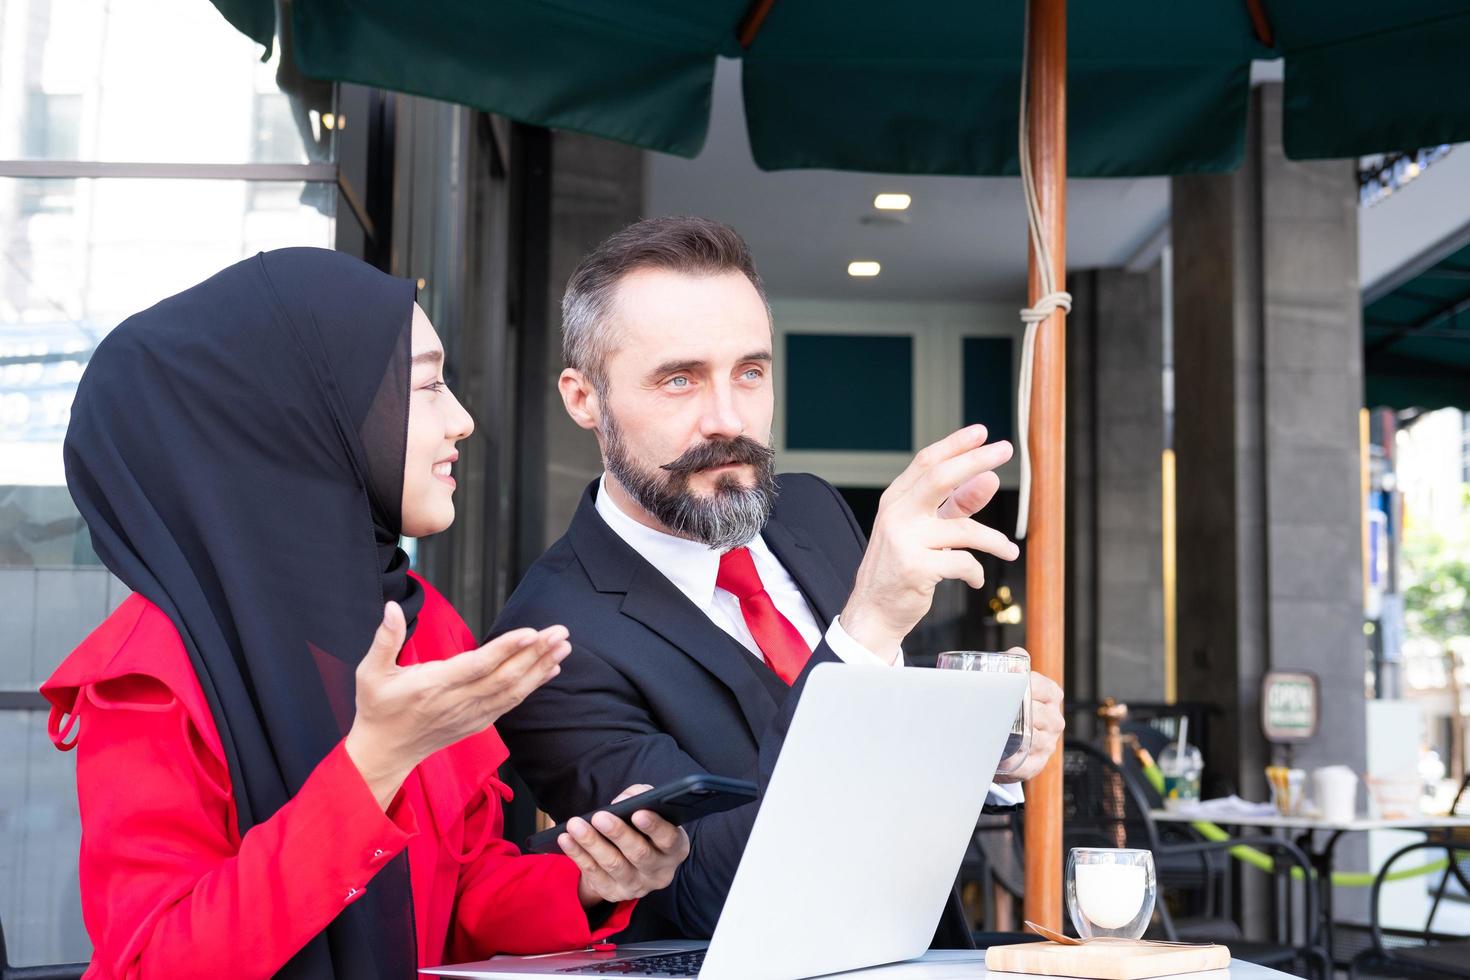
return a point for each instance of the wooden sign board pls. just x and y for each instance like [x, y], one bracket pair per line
[1290, 705]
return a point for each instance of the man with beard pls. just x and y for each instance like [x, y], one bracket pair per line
[697, 585]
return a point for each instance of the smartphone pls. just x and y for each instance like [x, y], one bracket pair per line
[677, 802]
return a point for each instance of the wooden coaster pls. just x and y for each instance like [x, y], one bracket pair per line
[1105, 961]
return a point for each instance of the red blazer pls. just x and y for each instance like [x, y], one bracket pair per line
[168, 883]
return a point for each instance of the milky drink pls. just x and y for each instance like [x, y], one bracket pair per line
[1110, 895]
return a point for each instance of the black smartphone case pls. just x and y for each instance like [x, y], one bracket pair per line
[677, 802]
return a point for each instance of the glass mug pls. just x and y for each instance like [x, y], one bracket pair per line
[1000, 662]
[1110, 892]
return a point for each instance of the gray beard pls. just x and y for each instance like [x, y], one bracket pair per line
[730, 517]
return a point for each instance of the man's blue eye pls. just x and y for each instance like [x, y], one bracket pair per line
[679, 382]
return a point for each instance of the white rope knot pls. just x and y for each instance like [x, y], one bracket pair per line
[1033, 317]
[1046, 306]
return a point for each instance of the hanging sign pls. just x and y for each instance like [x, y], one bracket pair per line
[1289, 705]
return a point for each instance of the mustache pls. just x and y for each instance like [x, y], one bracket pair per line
[707, 455]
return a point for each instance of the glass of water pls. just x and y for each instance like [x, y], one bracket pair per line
[1001, 662]
[1110, 892]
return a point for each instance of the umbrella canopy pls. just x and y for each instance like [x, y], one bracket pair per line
[1416, 339]
[922, 87]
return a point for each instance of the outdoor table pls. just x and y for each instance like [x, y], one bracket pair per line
[1321, 856]
[968, 964]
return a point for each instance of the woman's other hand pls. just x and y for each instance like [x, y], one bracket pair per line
[407, 713]
[620, 862]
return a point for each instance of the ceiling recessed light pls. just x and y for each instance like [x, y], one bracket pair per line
[863, 269]
[892, 202]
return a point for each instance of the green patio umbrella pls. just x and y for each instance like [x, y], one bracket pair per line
[932, 86]
[1416, 338]
[926, 86]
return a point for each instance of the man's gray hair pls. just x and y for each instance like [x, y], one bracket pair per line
[693, 246]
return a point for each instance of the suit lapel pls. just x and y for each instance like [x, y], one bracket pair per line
[654, 601]
[809, 568]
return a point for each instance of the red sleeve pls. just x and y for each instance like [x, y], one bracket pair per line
[511, 902]
[506, 902]
[167, 885]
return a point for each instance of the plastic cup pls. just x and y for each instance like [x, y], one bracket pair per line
[1336, 788]
[1181, 772]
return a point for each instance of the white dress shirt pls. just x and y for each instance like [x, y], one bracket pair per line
[693, 567]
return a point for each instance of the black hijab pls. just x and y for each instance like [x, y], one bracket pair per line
[237, 452]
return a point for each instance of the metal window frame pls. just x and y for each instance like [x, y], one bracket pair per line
[304, 172]
[47, 169]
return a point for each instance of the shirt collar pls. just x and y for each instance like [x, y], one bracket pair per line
[690, 565]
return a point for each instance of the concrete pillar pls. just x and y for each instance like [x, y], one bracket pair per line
[596, 189]
[1268, 367]
[1115, 442]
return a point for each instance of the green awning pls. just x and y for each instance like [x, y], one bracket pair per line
[1416, 340]
[927, 86]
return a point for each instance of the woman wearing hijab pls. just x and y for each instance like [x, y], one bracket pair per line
[285, 759]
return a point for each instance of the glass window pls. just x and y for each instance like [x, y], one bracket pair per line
[850, 392]
[989, 398]
[39, 836]
[127, 243]
[150, 81]
[52, 125]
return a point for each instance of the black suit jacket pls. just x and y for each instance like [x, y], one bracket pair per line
[654, 690]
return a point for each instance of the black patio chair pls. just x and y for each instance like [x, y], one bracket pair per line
[1195, 877]
[1417, 953]
[1192, 873]
[1459, 857]
[994, 861]
[1105, 806]
[55, 971]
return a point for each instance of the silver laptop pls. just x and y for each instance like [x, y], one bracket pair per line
[858, 840]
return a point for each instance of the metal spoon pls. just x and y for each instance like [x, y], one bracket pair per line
[1065, 940]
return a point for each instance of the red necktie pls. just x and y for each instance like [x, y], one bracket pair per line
[782, 644]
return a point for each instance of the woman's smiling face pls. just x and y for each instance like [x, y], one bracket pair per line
[436, 422]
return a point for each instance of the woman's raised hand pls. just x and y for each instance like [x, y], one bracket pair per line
[407, 713]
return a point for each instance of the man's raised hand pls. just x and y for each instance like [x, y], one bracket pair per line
[924, 534]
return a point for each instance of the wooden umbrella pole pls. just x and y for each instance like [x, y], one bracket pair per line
[1047, 55]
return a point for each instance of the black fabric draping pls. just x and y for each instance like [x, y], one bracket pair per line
[237, 452]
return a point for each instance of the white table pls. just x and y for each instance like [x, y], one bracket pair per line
[1321, 856]
[1308, 824]
[938, 964]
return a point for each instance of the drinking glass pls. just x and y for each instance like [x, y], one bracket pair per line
[1110, 892]
[1000, 662]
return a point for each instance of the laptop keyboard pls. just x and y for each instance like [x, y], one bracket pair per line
[685, 964]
